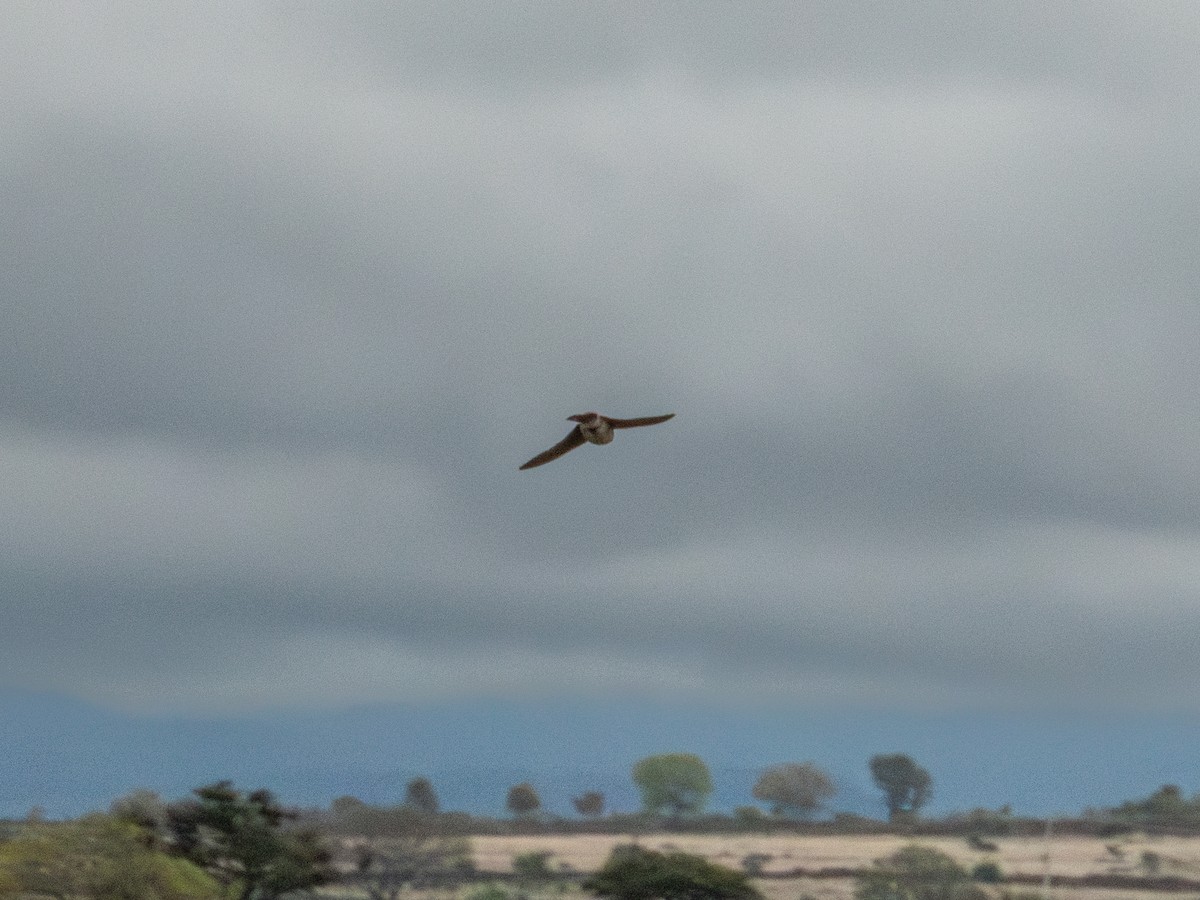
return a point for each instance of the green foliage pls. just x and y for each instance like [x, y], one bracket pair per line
[242, 841]
[534, 865]
[1166, 806]
[750, 818]
[98, 856]
[634, 873]
[917, 873]
[906, 786]
[523, 800]
[489, 892]
[419, 795]
[987, 871]
[795, 790]
[675, 783]
[981, 821]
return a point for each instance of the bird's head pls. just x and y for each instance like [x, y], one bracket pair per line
[583, 418]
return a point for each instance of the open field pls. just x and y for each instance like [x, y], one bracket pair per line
[1068, 856]
[1074, 856]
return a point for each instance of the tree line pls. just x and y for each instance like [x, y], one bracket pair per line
[675, 786]
[224, 843]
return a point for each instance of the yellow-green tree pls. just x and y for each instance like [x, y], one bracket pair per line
[97, 857]
[675, 783]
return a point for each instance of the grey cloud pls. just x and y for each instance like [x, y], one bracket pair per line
[289, 302]
[1106, 45]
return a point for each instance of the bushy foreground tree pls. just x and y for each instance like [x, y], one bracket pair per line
[917, 873]
[97, 856]
[635, 873]
[674, 783]
[906, 786]
[243, 840]
[796, 790]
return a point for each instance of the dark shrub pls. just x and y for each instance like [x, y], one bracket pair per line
[635, 873]
[987, 872]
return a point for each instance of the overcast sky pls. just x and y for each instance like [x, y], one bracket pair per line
[289, 291]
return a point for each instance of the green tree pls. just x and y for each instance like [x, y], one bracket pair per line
[243, 841]
[906, 786]
[796, 790]
[917, 873]
[533, 866]
[523, 800]
[419, 795]
[676, 783]
[635, 873]
[97, 856]
[589, 804]
[1166, 806]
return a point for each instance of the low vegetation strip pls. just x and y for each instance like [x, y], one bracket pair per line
[1162, 883]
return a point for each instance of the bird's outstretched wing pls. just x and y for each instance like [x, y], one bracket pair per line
[570, 442]
[636, 423]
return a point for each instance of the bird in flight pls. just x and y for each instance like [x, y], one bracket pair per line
[593, 428]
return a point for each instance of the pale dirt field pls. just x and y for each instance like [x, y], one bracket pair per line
[1068, 855]
[1073, 856]
[843, 889]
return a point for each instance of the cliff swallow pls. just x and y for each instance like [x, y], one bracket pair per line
[593, 428]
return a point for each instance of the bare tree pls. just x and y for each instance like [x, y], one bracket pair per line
[387, 867]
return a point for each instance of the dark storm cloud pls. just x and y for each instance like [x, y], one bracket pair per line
[292, 291]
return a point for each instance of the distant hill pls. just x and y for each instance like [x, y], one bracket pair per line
[68, 756]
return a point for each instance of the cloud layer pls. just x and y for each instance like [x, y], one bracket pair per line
[291, 292]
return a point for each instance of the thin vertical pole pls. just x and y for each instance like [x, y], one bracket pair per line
[1046, 871]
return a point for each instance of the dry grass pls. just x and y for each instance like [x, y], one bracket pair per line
[1074, 856]
[1069, 856]
[843, 889]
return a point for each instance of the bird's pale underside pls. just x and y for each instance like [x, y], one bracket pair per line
[592, 428]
